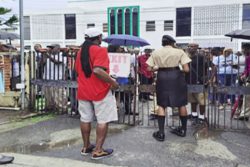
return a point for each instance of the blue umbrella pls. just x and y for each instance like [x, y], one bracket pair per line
[8, 35]
[125, 40]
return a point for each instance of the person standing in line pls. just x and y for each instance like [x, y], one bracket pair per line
[226, 66]
[54, 69]
[94, 93]
[171, 87]
[124, 97]
[145, 76]
[241, 62]
[198, 72]
[244, 115]
[38, 58]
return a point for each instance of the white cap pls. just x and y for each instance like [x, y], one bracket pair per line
[92, 32]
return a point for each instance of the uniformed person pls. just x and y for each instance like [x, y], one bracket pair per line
[198, 72]
[171, 87]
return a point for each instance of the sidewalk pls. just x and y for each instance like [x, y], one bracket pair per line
[22, 160]
[57, 141]
[47, 133]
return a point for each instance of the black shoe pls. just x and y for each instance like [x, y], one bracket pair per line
[6, 159]
[159, 136]
[243, 118]
[194, 121]
[191, 117]
[198, 122]
[178, 131]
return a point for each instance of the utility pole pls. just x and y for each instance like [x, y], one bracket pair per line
[22, 85]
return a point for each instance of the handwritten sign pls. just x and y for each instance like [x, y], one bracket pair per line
[119, 64]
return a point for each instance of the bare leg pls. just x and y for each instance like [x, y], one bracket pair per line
[183, 111]
[101, 132]
[161, 111]
[202, 109]
[193, 108]
[85, 130]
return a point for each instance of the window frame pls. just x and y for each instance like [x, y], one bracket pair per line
[246, 16]
[90, 25]
[150, 26]
[183, 22]
[168, 28]
[69, 26]
[112, 26]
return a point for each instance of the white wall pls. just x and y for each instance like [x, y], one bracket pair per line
[95, 11]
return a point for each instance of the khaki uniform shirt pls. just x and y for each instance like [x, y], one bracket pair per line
[168, 56]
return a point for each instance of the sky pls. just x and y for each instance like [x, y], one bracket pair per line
[33, 5]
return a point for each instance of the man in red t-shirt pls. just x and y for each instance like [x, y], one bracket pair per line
[145, 76]
[94, 92]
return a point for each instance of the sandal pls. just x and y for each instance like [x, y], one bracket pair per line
[89, 150]
[102, 154]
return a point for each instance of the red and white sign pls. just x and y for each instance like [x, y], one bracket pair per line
[119, 64]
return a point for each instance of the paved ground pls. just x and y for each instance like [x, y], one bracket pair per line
[22, 160]
[60, 138]
[135, 147]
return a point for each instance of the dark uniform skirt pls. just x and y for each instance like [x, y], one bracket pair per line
[171, 88]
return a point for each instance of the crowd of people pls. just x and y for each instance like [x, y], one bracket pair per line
[175, 68]
[170, 68]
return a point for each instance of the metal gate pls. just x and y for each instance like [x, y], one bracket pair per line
[58, 95]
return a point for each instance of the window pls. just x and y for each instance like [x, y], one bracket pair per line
[124, 20]
[91, 25]
[70, 26]
[135, 21]
[150, 26]
[168, 25]
[112, 22]
[119, 21]
[26, 20]
[105, 27]
[246, 16]
[127, 21]
[183, 22]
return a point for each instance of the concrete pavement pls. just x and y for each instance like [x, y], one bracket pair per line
[135, 147]
[57, 142]
[22, 160]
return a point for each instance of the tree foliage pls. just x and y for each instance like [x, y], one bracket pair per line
[7, 21]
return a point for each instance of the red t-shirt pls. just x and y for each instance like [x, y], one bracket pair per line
[92, 88]
[143, 69]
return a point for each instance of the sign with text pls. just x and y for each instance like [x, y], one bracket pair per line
[119, 64]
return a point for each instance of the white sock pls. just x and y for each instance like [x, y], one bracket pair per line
[201, 117]
[194, 114]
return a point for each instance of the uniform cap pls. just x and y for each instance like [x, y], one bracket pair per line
[92, 32]
[168, 38]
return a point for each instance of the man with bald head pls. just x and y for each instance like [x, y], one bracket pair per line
[198, 68]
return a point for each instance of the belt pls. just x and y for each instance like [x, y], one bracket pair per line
[169, 69]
